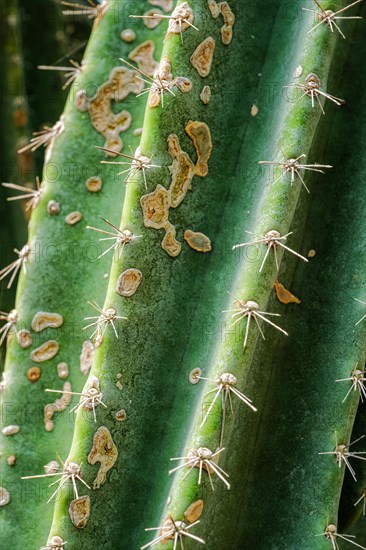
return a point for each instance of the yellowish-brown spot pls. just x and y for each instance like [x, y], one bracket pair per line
[58, 406]
[198, 241]
[201, 59]
[121, 415]
[182, 171]
[94, 184]
[44, 319]
[11, 460]
[46, 351]
[79, 511]
[143, 56]
[170, 243]
[166, 5]
[53, 208]
[200, 134]
[24, 338]
[205, 95]
[104, 451]
[194, 511]
[34, 374]
[128, 282]
[284, 295]
[63, 370]
[128, 35]
[73, 218]
[155, 208]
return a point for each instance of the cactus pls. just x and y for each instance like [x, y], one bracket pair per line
[229, 337]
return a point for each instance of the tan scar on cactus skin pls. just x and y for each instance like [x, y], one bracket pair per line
[200, 134]
[122, 81]
[24, 338]
[44, 319]
[228, 16]
[93, 184]
[73, 218]
[155, 208]
[166, 5]
[182, 171]
[46, 351]
[284, 295]
[197, 241]
[58, 406]
[202, 57]
[104, 451]
[79, 511]
[143, 56]
[194, 511]
[205, 95]
[128, 282]
[170, 243]
[86, 356]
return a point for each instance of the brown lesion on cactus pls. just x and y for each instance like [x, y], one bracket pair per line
[34, 374]
[143, 56]
[24, 338]
[73, 218]
[182, 171]
[94, 184]
[104, 451]
[283, 295]
[197, 241]
[128, 35]
[46, 351]
[122, 81]
[205, 95]
[45, 319]
[181, 19]
[155, 208]
[202, 57]
[200, 134]
[166, 5]
[58, 406]
[152, 19]
[128, 282]
[228, 16]
[79, 511]
[163, 81]
[169, 242]
[194, 511]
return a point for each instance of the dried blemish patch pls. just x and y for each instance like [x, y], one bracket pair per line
[121, 415]
[86, 356]
[44, 319]
[11, 460]
[122, 81]
[155, 208]
[46, 351]
[229, 21]
[94, 184]
[166, 5]
[254, 110]
[137, 132]
[183, 84]
[205, 95]
[150, 20]
[34, 374]
[119, 383]
[4, 496]
[194, 511]
[104, 451]
[284, 295]
[143, 56]
[79, 511]
[24, 338]
[128, 35]
[201, 59]
[200, 134]
[12, 429]
[181, 19]
[198, 241]
[53, 208]
[182, 171]
[62, 370]
[58, 406]
[128, 282]
[73, 218]
[170, 243]
[311, 253]
[214, 8]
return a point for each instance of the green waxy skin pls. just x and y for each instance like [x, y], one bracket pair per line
[63, 273]
[283, 492]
